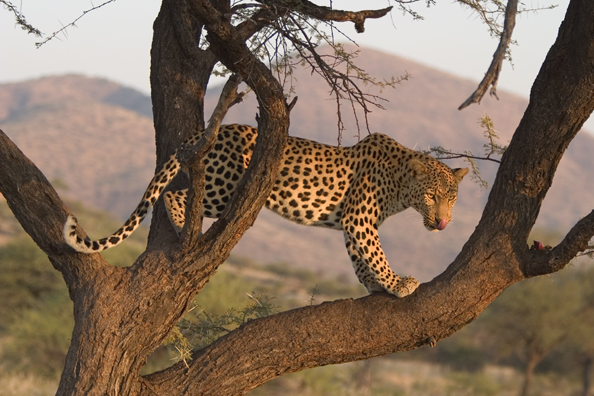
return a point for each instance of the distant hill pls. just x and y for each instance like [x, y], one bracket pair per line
[77, 130]
[97, 137]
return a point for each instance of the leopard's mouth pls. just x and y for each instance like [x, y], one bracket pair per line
[437, 225]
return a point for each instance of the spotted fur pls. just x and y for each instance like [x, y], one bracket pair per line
[353, 189]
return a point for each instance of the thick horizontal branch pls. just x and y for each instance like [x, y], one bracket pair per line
[328, 14]
[273, 9]
[337, 332]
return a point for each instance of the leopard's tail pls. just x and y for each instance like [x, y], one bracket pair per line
[152, 193]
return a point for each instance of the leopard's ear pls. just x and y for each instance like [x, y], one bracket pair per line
[419, 169]
[459, 173]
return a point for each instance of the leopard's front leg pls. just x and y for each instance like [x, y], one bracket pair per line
[363, 245]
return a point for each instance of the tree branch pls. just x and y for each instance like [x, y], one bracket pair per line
[193, 224]
[493, 259]
[552, 260]
[494, 70]
[41, 212]
[328, 14]
[20, 19]
[71, 24]
[241, 211]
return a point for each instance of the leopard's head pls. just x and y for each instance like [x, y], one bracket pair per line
[434, 190]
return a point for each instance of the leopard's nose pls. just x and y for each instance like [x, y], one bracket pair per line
[441, 224]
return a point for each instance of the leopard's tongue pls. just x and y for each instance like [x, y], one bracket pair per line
[442, 224]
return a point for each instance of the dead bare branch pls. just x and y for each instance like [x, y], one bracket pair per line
[328, 14]
[492, 75]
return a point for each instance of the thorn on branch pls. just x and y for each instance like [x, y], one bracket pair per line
[71, 24]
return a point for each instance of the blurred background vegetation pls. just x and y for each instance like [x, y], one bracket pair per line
[535, 339]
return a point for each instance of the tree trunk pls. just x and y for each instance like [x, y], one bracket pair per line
[587, 375]
[533, 360]
[123, 314]
[363, 378]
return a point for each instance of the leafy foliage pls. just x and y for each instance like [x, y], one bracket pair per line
[203, 327]
[39, 337]
[27, 278]
[536, 314]
[20, 19]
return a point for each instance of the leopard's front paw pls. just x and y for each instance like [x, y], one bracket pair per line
[405, 286]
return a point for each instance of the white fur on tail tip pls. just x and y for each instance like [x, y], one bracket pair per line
[71, 236]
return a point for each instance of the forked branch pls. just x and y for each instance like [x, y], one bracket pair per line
[192, 158]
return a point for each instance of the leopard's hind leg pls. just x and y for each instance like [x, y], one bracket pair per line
[175, 204]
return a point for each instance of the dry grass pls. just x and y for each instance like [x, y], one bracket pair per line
[26, 385]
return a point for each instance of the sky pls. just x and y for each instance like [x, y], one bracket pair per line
[114, 41]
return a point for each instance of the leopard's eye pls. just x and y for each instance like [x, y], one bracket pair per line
[431, 196]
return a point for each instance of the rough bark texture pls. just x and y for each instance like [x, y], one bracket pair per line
[123, 314]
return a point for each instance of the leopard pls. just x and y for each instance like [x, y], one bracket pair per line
[353, 189]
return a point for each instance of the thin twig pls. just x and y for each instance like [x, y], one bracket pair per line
[71, 24]
[459, 155]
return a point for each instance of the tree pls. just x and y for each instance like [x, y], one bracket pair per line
[532, 318]
[581, 341]
[122, 314]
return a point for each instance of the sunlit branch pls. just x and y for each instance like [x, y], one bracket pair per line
[328, 14]
[576, 241]
[492, 74]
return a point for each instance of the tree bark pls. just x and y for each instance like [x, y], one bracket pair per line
[123, 314]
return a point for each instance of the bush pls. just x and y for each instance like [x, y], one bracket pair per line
[39, 337]
[27, 277]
